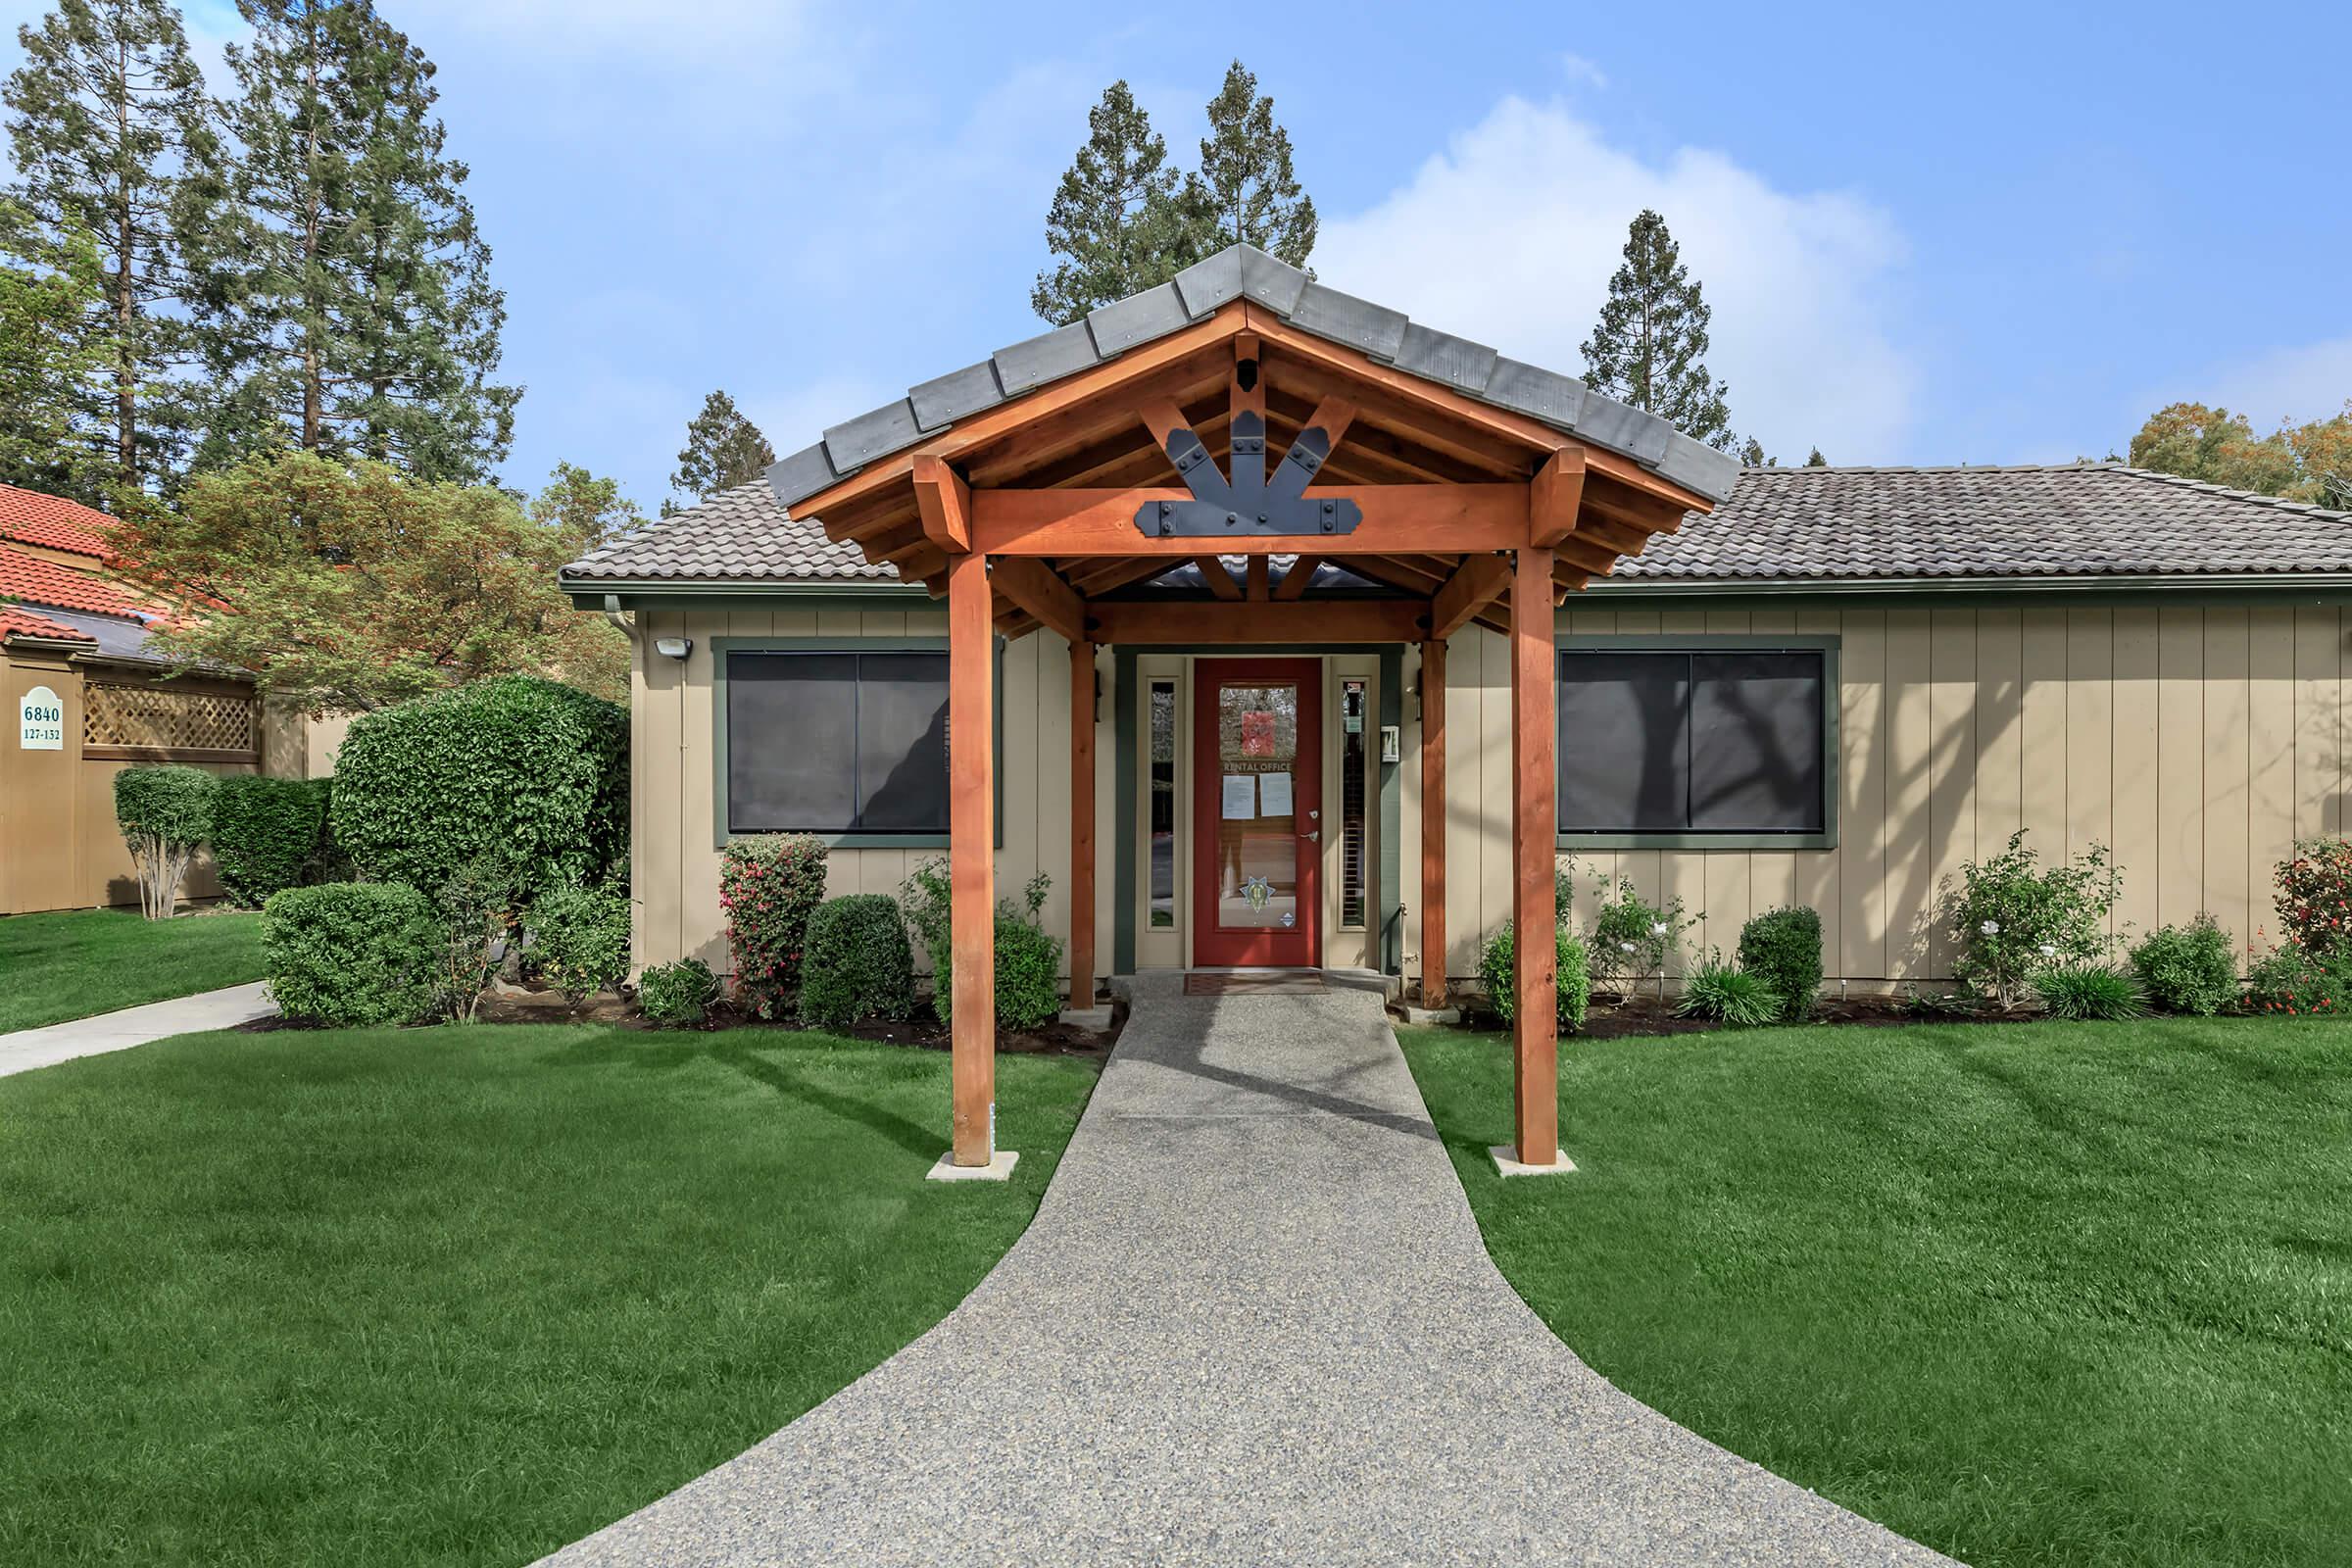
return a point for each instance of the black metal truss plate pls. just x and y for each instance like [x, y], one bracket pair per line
[1248, 503]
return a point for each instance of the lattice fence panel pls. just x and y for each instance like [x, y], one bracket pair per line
[169, 721]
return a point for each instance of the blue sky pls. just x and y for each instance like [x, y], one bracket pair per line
[1991, 233]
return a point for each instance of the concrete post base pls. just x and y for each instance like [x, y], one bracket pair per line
[999, 1169]
[1506, 1163]
[1096, 1018]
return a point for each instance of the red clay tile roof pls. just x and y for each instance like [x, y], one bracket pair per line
[16, 622]
[53, 522]
[45, 582]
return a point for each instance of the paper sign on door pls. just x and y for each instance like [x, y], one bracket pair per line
[1274, 793]
[1241, 797]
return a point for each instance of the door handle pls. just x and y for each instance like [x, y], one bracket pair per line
[1314, 835]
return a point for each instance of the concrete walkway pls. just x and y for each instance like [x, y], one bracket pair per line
[54, 1043]
[1253, 1322]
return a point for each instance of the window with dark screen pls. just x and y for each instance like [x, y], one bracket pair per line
[837, 741]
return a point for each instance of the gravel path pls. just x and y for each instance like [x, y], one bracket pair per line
[1253, 1322]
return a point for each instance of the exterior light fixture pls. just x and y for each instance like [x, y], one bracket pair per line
[673, 647]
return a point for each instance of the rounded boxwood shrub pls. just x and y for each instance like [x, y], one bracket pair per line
[268, 834]
[528, 770]
[2187, 968]
[1575, 986]
[1028, 981]
[857, 963]
[165, 813]
[351, 954]
[676, 993]
[1782, 949]
[580, 940]
[770, 884]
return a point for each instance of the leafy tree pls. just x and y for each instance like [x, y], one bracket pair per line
[1752, 456]
[346, 587]
[349, 285]
[2216, 446]
[109, 123]
[1117, 221]
[48, 292]
[1814, 459]
[2323, 451]
[723, 449]
[1245, 191]
[1651, 344]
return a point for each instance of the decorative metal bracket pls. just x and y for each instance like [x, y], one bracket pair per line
[1248, 503]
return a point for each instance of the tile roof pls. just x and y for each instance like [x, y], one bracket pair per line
[47, 584]
[1826, 524]
[53, 522]
[18, 622]
[1243, 271]
[123, 641]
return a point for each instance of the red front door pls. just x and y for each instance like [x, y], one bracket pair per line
[1259, 822]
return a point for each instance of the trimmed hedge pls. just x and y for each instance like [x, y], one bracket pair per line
[1575, 990]
[675, 994]
[770, 884]
[531, 771]
[268, 834]
[351, 954]
[580, 940]
[1028, 956]
[1781, 948]
[858, 965]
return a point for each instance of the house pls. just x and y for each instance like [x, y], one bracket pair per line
[87, 695]
[1303, 634]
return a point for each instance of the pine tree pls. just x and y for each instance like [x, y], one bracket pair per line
[1752, 456]
[1651, 344]
[723, 449]
[1245, 191]
[106, 118]
[350, 287]
[1814, 459]
[50, 363]
[1116, 218]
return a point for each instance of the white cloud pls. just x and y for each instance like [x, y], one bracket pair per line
[1576, 68]
[2297, 384]
[1509, 237]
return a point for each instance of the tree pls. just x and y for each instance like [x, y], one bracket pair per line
[1246, 192]
[1117, 222]
[723, 449]
[349, 286]
[1752, 456]
[1649, 346]
[49, 291]
[1814, 459]
[2216, 446]
[109, 123]
[2323, 451]
[347, 587]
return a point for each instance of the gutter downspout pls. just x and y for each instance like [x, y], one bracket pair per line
[629, 628]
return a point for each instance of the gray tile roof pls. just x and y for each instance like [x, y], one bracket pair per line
[1235, 272]
[1826, 524]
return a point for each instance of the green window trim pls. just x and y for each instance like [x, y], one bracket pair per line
[721, 647]
[1827, 644]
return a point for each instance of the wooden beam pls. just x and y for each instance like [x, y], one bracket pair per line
[946, 503]
[1082, 824]
[1399, 519]
[1534, 962]
[1253, 398]
[1220, 581]
[1163, 419]
[1432, 824]
[1319, 620]
[1031, 584]
[1475, 584]
[1258, 590]
[1102, 576]
[1293, 581]
[1332, 415]
[971, 868]
[1554, 496]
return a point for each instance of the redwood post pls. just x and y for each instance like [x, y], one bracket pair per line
[1433, 823]
[1533, 818]
[971, 851]
[1082, 825]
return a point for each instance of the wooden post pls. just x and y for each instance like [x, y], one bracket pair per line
[1432, 824]
[1534, 830]
[1082, 825]
[972, 863]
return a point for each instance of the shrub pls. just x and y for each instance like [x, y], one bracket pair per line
[165, 813]
[858, 965]
[2011, 918]
[1028, 958]
[770, 884]
[2187, 968]
[1724, 992]
[2314, 897]
[268, 834]
[472, 905]
[580, 938]
[2290, 980]
[1783, 949]
[926, 900]
[351, 954]
[680, 993]
[531, 770]
[2090, 991]
[1575, 983]
[1631, 938]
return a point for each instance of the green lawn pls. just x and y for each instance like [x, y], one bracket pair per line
[2033, 1295]
[441, 1297]
[82, 961]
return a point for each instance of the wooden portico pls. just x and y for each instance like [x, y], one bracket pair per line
[1245, 437]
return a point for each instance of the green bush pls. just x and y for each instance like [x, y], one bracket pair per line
[1783, 949]
[1574, 994]
[351, 954]
[770, 884]
[675, 994]
[165, 813]
[1633, 938]
[2011, 920]
[1728, 994]
[580, 940]
[1028, 958]
[2314, 897]
[2085, 991]
[534, 772]
[2292, 980]
[268, 834]
[2189, 968]
[858, 965]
